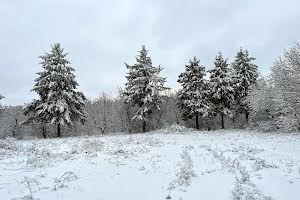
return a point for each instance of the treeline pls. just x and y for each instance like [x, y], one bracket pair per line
[230, 95]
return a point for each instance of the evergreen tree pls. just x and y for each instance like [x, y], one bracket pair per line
[245, 75]
[193, 97]
[144, 86]
[59, 101]
[221, 85]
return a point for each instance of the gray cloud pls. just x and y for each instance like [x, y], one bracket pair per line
[101, 35]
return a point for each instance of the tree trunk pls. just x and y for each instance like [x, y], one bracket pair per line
[197, 121]
[15, 127]
[129, 125]
[144, 126]
[177, 118]
[44, 131]
[58, 130]
[247, 117]
[222, 120]
[233, 120]
[207, 124]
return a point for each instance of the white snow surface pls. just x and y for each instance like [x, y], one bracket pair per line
[175, 163]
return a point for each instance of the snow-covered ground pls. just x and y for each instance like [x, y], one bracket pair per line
[169, 164]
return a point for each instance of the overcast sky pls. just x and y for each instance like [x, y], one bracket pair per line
[101, 35]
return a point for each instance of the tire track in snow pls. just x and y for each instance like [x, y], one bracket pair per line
[244, 188]
[185, 171]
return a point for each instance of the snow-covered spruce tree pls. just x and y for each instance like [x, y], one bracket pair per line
[221, 88]
[144, 86]
[193, 97]
[59, 101]
[245, 75]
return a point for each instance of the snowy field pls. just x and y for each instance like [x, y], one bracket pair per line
[167, 164]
